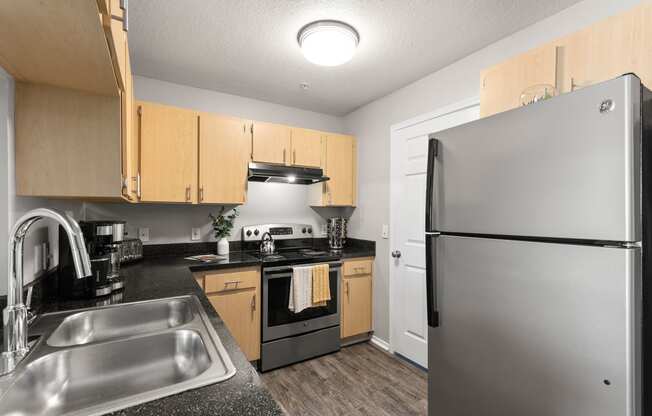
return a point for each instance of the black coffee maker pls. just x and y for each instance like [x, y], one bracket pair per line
[101, 247]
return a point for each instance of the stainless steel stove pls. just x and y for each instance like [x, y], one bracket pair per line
[289, 337]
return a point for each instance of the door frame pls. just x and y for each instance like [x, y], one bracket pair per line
[396, 132]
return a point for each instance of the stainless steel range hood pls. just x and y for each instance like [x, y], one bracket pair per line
[265, 172]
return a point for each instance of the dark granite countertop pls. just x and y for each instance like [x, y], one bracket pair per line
[166, 273]
[243, 394]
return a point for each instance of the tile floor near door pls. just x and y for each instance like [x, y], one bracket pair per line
[358, 380]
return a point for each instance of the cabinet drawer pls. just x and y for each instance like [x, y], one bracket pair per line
[233, 279]
[357, 267]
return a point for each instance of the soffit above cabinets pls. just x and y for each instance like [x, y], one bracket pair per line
[249, 48]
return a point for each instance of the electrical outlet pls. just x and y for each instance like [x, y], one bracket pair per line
[323, 230]
[385, 232]
[143, 234]
[195, 234]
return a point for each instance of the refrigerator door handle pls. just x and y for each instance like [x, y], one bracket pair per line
[431, 182]
[431, 279]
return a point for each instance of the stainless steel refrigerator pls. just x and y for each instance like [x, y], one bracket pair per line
[537, 269]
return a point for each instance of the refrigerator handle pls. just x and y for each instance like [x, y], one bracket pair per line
[433, 150]
[431, 279]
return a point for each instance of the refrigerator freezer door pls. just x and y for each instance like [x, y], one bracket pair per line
[568, 167]
[537, 329]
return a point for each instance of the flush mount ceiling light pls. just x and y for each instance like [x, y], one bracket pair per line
[328, 42]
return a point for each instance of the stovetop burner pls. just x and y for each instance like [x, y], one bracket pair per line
[272, 257]
[298, 256]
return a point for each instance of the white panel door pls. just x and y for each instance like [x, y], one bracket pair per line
[409, 334]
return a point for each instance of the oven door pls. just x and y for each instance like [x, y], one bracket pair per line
[279, 321]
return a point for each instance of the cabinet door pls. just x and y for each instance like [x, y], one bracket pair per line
[356, 306]
[608, 49]
[168, 158]
[129, 139]
[502, 85]
[271, 143]
[340, 167]
[224, 152]
[306, 148]
[240, 311]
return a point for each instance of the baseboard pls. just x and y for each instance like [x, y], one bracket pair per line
[380, 343]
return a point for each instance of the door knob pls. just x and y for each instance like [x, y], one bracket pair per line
[396, 254]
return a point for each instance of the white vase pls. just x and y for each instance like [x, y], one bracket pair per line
[222, 246]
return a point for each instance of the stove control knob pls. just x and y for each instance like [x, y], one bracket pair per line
[309, 230]
[248, 233]
[303, 230]
[256, 232]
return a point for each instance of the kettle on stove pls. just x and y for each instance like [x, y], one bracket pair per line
[267, 244]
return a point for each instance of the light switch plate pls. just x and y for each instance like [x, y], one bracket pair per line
[143, 234]
[195, 234]
[385, 232]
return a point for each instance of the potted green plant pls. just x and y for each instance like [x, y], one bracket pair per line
[222, 226]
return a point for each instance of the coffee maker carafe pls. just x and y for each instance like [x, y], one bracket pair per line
[105, 238]
[103, 242]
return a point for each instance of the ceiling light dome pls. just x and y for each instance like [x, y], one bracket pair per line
[328, 42]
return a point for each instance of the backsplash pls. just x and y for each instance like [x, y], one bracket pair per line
[267, 203]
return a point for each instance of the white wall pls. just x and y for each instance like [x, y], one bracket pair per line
[267, 203]
[458, 81]
[149, 89]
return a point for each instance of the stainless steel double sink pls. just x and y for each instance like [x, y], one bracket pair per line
[94, 361]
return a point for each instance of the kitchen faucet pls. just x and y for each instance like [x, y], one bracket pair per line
[15, 314]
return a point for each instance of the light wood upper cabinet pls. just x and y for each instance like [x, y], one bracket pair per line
[224, 152]
[168, 153]
[306, 147]
[357, 295]
[130, 146]
[501, 85]
[608, 49]
[63, 45]
[68, 143]
[340, 165]
[271, 143]
[235, 295]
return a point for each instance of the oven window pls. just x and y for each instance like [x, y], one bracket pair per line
[278, 297]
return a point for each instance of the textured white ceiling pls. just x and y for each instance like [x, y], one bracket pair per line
[249, 48]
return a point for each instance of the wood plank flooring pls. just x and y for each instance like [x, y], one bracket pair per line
[360, 380]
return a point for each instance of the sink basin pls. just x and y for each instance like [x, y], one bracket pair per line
[96, 361]
[122, 321]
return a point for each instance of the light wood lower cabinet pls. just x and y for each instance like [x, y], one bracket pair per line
[168, 153]
[357, 295]
[235, 295]
[224, 152]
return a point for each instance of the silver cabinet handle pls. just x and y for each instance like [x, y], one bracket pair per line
[201, 193]
[253, 303]
[396, 254]
[138, 186]
[294, 156]
[187, 193]
[124, 5]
